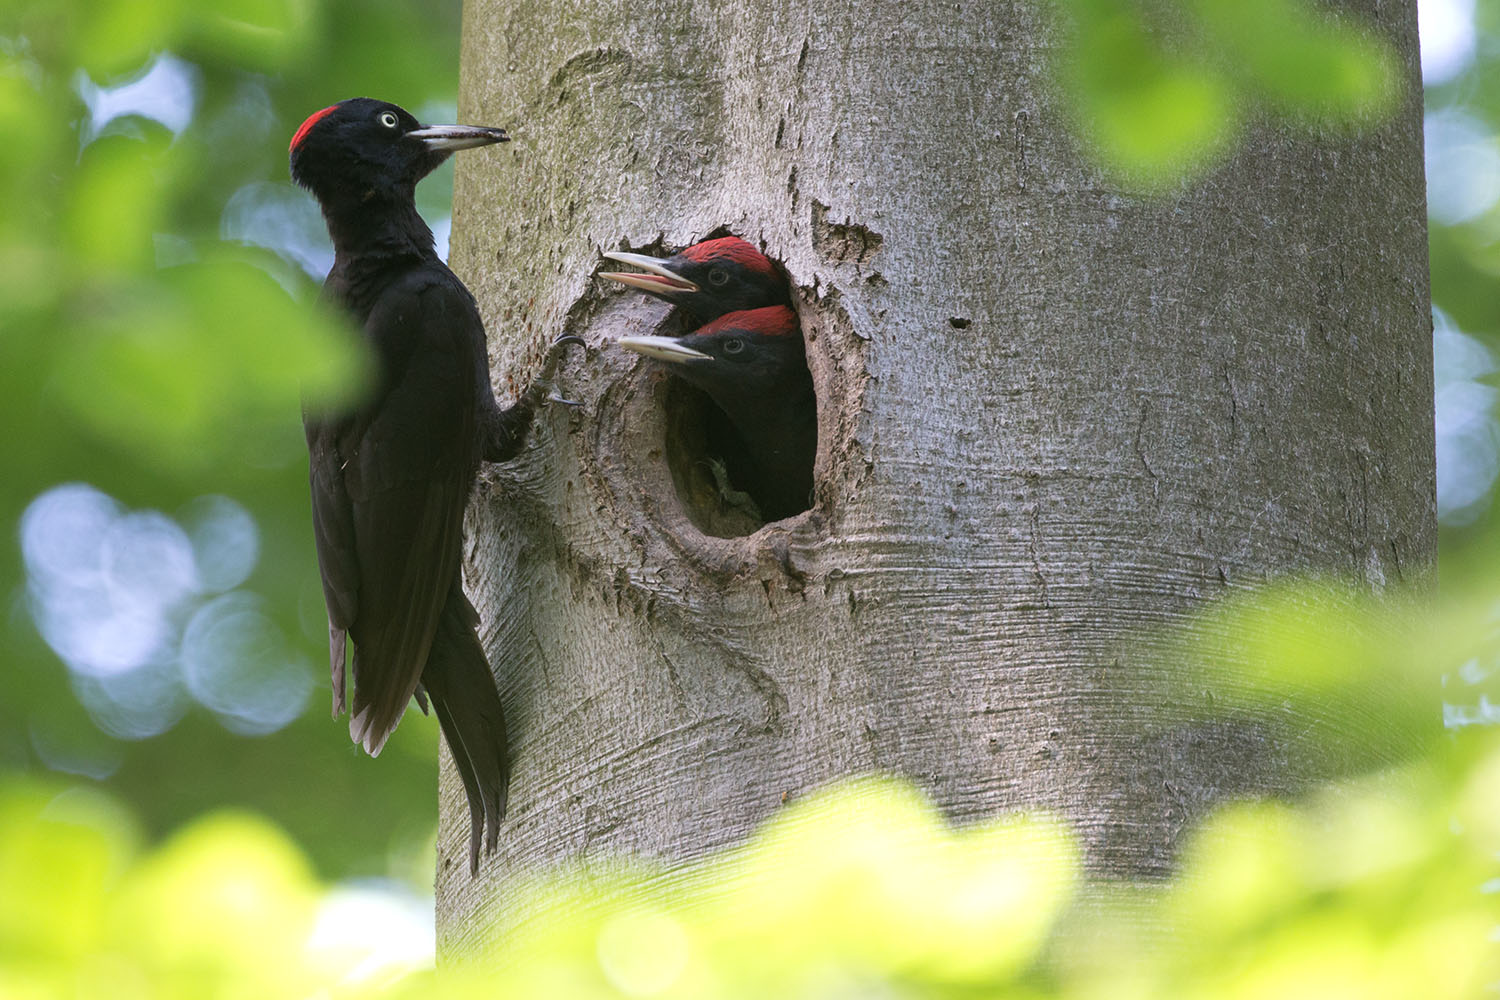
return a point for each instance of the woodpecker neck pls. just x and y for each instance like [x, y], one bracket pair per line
[781, 447]
[780, 439]
[773, 434]
[376, 223]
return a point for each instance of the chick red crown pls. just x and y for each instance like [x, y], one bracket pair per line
[768, 321]
[730, 248]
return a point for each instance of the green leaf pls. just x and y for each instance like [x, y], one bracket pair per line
[1151, 117]
[1307, 64]
[215, 355]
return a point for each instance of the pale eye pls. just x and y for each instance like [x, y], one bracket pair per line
[733, 345]
[717, 276]
[388, 120]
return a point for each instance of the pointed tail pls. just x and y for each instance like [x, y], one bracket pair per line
[458, 680]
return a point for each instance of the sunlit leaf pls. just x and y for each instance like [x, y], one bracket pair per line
[1310, 64]
[226, 903]
[642, 952]
[1442, 954]
[1323, 956]
[1241, 867]
[61, 855]
[1478, 811]
[868, 872]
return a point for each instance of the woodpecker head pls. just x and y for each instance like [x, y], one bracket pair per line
[361, 148]
[751, 357]
[709, 279]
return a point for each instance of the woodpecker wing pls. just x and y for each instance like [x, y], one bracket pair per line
[390, 484]
[333, 531]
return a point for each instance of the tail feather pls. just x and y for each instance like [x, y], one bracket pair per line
[464, 698]
[470, 780]
[337, 640]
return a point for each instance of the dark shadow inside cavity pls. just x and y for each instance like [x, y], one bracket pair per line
[709, 465]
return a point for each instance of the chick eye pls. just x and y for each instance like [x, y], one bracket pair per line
[388, 120]
[733, 345]
[717, 276]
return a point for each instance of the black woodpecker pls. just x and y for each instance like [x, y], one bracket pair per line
[391, 476]
[707, 279]
[751, 364]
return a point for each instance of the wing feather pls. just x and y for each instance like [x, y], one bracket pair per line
[390, 483]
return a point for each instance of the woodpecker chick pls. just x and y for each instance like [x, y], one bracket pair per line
[707, 279]
[752, 365]
[391, 476]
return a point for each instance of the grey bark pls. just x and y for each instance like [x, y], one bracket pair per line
[1052, 415]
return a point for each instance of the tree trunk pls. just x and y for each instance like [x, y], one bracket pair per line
[1051, 416]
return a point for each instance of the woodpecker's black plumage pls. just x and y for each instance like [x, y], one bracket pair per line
[707, 279]
[391, 477]
[753, 366]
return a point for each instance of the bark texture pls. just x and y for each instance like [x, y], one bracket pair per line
[1051, 415]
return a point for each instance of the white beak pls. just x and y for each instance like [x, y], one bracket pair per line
[447, 138]
[657, 279]
[662, 349]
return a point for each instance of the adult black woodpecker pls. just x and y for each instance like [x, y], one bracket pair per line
[391, 476]
[752, 364]
[707, 279]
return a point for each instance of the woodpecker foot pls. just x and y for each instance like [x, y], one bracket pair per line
[505, 430]
[546, 380]
[556, 352]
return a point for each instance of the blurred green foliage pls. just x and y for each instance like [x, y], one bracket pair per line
[1163, 89]
[153, 354]
[223, 908]
[1463, 162]
[1372, 887]
[1466, 251]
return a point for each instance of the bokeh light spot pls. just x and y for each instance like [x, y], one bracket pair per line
[281, 219]
[1463, 167]
[136, 704]
[226, 542]
[166, 92]
[1446, 28]
[102, 583]
[1468, 438]
[237, 662]
[109, 590]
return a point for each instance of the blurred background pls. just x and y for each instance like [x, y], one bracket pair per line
[165, 642]
[1461, 74]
